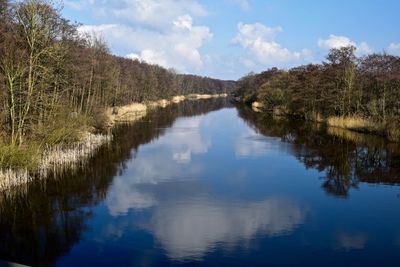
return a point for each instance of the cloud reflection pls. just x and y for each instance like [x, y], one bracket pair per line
[250, 144]
[184, 139]
[190, 230]
[187, 221]
[165, 160]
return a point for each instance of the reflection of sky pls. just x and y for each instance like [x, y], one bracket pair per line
[184, 139]
[164, 160]
[351, 241]
[250, 144]
[190, 229]
[190, 222]
[211, 189]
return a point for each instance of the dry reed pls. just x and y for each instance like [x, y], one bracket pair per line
[55, 158]
[356, 124]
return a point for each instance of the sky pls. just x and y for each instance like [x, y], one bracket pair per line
[227, 39]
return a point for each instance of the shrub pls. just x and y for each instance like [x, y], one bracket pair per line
[64, 128]
[99, 119]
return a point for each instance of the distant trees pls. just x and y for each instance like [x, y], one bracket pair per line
[47, 69]
[344, 85]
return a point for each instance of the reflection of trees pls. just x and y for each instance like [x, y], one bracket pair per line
[41, 222]
[346, 158]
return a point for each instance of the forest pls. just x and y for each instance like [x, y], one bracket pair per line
[346, 91]
[55, 82]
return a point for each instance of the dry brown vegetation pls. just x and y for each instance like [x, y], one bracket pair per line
[56, 87]
[355, 93]
[355, 123]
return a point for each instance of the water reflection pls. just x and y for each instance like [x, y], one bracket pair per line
[251, 144]
[189, 230]
[42, 221]
[166, 159]
[351, 241]
[189, 222]
[184, 139]
[179, 187]
[345, 157]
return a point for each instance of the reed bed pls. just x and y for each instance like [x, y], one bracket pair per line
[55, 159]
[59, 158]
[388, 128]
[10, 178]
[352, 123]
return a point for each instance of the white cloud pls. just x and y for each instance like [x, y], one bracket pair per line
[150, 12]
[243, 4]
[363, 48]
[259, 41]
[153, 12]
[334, 41]
[178, 48]
[158, 32]
[394, 49]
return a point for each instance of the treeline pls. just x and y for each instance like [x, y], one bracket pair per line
[50, 73]
[359, 93]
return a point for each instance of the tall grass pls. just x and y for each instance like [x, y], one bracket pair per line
[14, 170]
[26, 156]
[56, 158]
[353, 123]
[388, 128]
[63, 142]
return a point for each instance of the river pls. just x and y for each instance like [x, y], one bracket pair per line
[207, 183]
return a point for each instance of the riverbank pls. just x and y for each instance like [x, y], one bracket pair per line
[388, 129]
[58, 158]
[135, 111]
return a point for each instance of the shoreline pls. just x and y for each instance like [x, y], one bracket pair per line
[349, 123]
[136, 110]
[58, 159]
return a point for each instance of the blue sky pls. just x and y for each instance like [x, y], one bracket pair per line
[229, 38]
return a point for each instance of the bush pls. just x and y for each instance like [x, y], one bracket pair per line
[64, 128]
[250, 98]
[99, 119]
[272, 97]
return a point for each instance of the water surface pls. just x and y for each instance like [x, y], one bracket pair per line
[209, 184]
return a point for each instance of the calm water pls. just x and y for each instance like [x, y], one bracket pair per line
[209, 184]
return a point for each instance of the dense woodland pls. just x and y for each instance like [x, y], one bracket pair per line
[52, 76]
[363, 92]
